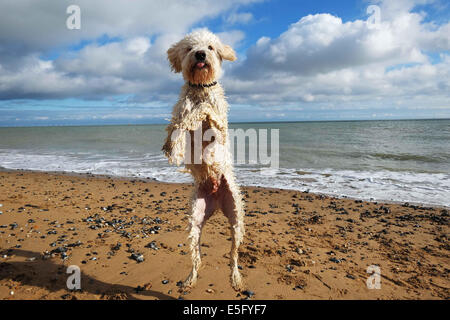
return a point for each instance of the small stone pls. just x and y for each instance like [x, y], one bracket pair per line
[59, 250]
[152, 245]
[210, 290]
[116, 247]
[248, 293]
[138, 257]
[139, 289]
[147, 286]
[165, 281]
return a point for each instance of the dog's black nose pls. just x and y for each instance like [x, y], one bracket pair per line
[200, 55]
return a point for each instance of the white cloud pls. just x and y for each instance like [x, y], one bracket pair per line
[132, 64]
[239, 18]
[322, 61]
[319, 62]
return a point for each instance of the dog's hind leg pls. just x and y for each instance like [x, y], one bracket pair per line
[203, 206]
[231, 205]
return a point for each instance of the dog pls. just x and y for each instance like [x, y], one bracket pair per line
[202, 106]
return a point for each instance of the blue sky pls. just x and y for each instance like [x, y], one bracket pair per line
[297, 60]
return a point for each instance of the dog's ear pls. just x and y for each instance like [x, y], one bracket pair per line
[227, 53]
[174, 58]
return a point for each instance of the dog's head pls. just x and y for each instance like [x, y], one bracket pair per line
[199, 57]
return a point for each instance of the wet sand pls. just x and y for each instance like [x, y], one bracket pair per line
[297, 245]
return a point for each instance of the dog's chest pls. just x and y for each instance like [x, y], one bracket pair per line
[213, 98]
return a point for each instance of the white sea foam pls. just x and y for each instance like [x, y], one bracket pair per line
[425, 188]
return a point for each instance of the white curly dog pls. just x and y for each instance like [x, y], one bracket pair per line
[202, 108]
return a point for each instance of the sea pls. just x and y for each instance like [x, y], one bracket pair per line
[396, 161]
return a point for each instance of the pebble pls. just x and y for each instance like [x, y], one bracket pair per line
[165, 281]
[139, 289]
[249, 293]
[152, 245]
[116, 247]
[59, 250]
[147, 286]
[138, 257]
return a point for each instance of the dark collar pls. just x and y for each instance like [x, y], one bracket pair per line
[202, 85]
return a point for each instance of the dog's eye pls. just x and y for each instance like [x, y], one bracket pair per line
[188, 49]
[210, 48]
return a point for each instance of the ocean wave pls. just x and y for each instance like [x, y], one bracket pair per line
[402, 186]
[405, 157]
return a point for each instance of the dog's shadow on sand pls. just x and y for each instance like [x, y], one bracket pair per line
[47, 274]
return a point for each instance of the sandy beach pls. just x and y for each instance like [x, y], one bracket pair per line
[297, 246]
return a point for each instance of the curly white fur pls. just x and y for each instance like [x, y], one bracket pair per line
[202, 104]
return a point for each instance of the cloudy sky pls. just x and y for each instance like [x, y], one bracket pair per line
[297, 60]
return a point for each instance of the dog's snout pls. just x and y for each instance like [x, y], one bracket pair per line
[200, 55]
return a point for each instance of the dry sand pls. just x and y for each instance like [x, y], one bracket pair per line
[297, 245]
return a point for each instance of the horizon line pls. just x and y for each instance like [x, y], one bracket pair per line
[231, 122]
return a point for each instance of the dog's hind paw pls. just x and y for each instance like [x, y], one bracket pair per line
[236, 281]
[189, 282]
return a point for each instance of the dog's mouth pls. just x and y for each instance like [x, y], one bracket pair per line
[200, 65]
